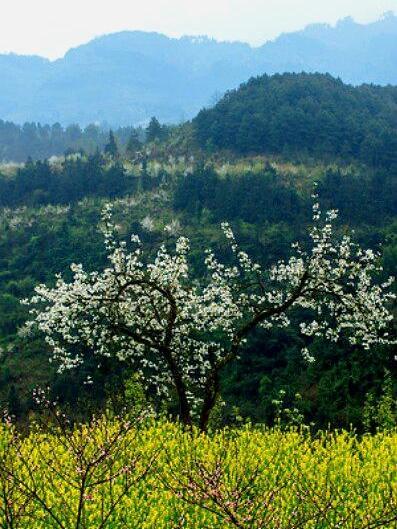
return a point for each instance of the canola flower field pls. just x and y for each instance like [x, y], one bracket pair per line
[112, 474]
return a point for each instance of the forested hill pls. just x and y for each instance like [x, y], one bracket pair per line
[310, 114]
[125, 78]
[299, 115]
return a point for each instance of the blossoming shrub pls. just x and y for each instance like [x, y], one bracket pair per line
[247, 478]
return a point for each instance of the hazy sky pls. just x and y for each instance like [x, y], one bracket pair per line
[51, 27]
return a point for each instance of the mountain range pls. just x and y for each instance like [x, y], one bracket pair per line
[127, 77]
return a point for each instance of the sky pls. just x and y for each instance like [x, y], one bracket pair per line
[51, 27]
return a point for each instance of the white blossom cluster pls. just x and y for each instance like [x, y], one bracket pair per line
[180, 331]
[24, 217]
[173, 228]
[148, 224]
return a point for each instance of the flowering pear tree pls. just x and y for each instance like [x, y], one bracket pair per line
[181, 332]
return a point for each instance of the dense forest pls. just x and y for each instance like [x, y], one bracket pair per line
[39, 183]
[293, 130]
[38, 142]
[304, 114]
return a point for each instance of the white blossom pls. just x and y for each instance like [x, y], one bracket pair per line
[148, 224]
[173, 228]
[180, 332]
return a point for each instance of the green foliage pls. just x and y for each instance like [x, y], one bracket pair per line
[134, 145]
[154, 131]
[381, 413]
[266, 195]
[40, 183]
[304, 114]
[288, 416]
[130, 399]
[111, 148]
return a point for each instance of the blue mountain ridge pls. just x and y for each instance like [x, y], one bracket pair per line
[127, 77]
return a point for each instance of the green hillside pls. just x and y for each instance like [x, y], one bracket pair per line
[49, 220]
[304, 114]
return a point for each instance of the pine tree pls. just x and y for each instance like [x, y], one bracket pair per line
[133, 144]
[111, 147]
[154, 131]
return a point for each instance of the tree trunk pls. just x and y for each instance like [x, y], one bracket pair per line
[184, 407]
[185, 414]
[210, 396]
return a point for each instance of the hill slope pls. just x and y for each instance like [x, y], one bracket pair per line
[125, 78]
[304, 113]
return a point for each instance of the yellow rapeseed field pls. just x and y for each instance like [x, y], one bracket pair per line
[159, 476]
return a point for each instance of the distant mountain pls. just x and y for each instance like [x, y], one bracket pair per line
[124, 78]
[357, 53]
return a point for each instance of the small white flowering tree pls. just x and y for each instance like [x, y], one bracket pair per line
[182, 332]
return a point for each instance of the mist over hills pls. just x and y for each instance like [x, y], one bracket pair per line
[124, 78]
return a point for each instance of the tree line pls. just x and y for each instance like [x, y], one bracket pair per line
[38, 142]
[38, 183]
[361, 196]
